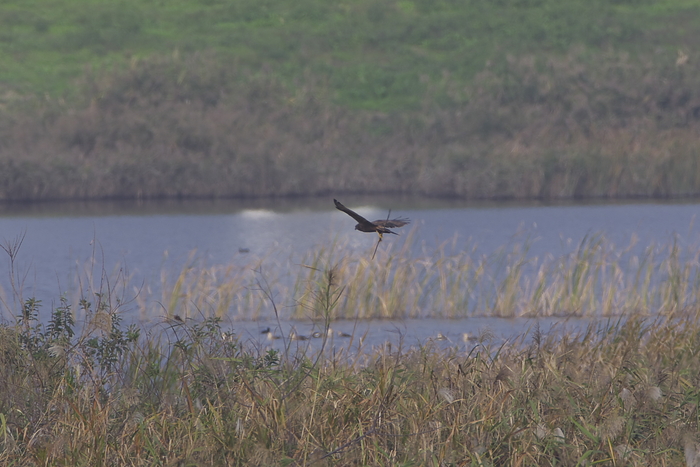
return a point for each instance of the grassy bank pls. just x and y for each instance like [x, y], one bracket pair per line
[189, 394]
[537, 128]
[379, 55]
[475, 100]
[95, 391]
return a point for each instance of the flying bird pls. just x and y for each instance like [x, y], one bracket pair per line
[380, 226]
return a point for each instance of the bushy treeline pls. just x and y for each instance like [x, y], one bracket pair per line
[478, 99]
[529, 127]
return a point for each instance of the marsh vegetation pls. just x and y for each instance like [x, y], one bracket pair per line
[189, 391]
[478, 99]
[597, 278]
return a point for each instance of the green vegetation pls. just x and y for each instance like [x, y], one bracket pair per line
[374, 54]
[478, 99]
[188, 392]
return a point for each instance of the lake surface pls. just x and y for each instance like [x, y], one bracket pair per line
[152, 240]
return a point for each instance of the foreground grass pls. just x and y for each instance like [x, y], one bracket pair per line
[190, 394]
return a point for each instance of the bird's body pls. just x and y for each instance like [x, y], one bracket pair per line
[297, 337]
[272, 337]
[381, 226]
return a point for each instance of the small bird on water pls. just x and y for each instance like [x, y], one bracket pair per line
[272, 337]
[297, 337]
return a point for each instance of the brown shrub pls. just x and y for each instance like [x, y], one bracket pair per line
[552, 127]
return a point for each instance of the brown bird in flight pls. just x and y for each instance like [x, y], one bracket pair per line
[380, 226]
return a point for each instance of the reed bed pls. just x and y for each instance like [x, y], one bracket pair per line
[186, 393]
[596, 278]
[189, 391]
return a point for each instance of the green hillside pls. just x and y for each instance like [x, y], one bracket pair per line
[376, 54]
[84, 86]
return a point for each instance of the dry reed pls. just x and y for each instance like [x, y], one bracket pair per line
[189, 393]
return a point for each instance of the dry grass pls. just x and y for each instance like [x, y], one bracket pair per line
[621, 394]
[571, 126]
[187, 392]
[598, 278]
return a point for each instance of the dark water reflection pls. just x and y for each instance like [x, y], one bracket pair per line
[148, 238]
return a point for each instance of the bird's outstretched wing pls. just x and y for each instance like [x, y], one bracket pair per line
[351, 213]
[392, 223]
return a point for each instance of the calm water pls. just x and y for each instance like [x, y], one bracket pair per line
[146, 239]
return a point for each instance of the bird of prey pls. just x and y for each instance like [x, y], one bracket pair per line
[380, 226]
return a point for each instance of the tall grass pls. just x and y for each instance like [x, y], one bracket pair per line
[596, 278]
[187, 391]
